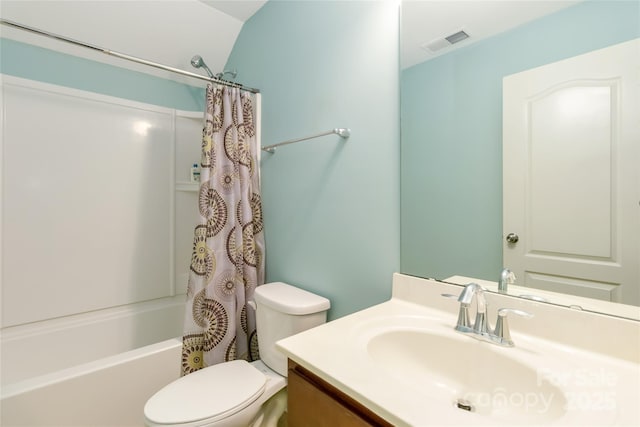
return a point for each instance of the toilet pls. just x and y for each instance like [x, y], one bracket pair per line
[239, 393]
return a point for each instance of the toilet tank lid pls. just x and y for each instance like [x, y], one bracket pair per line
[289, 299]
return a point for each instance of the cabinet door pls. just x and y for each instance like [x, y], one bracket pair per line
[315, 403]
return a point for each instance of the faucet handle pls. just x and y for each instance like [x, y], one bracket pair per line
[502, 326]
[463, 323]
[504, 311]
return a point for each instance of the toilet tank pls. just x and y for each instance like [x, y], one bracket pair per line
[283, 310]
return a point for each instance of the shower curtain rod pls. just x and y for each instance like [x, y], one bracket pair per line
[343, 133]
[125, 56]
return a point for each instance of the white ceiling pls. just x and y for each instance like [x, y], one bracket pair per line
[180, 29]
[239, 9]
[424, 21]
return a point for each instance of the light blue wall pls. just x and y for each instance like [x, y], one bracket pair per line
[451, 165]
[36, 63]
[331, 208]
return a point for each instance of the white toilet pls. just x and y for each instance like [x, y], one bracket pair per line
[238, 393]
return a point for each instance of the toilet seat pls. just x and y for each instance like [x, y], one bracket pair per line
[210, 394]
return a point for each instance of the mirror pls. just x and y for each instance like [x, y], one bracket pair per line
[451, 124]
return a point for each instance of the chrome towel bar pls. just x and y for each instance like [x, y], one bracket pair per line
[343, 133]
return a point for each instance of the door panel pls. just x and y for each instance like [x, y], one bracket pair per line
[569, 188]
[567, 285]
[570, 173]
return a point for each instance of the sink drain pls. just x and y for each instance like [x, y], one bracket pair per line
[465, 405]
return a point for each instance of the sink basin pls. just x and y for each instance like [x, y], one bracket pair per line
[469, 375]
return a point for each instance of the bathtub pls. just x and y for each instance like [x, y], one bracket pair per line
[108, 392]
[92, 369]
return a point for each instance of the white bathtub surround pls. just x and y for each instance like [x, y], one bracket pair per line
[582, 368]
[95, 250]
[227, 263]
[107, 392]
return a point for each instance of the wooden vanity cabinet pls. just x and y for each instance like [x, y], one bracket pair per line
[315, 403]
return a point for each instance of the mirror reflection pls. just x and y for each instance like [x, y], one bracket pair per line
[572, 221]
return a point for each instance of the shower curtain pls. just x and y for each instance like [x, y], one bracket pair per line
[227, 261]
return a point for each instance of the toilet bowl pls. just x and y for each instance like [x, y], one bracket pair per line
[230, 394]
[239, 393]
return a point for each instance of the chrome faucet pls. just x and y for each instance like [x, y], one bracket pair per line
[480, 328]
[480, 325]
[506, 278]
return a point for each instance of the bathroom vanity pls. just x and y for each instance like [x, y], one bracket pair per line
[314, 402]
[401, 363]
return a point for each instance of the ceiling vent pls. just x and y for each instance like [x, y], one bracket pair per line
[441, 43]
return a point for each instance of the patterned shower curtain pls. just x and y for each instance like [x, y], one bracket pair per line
[227, 262]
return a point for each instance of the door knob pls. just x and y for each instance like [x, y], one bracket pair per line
[512, 238]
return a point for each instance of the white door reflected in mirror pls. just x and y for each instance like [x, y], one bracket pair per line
[570, 175]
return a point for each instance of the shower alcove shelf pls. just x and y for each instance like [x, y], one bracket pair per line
[187, 186]
[188, 134]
